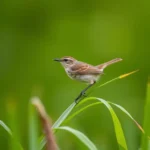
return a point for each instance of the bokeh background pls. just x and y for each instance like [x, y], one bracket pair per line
[34, 32]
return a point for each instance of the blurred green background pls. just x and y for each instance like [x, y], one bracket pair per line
[34, 32]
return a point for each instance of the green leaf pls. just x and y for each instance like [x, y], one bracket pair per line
[58, 122]
[146, 141]
[64, 115]
[62, 118]
[80, 110]
[96, 103]
[112, 80]
[117, 125]
[116, 105]
[129, 115]
[7, 129]
[14, 125]
[33, 127]
[84, 139]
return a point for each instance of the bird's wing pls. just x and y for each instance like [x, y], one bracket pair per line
[83, 69]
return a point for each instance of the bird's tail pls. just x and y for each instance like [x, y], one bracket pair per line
[104, 65]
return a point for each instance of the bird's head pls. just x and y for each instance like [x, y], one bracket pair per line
[66, 61]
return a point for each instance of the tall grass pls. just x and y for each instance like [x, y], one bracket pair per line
[146, 124]
[68, 115]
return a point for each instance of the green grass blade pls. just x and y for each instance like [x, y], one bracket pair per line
[117, 125]
[146, 141]
[14, 125]
[116, 105]
[58, 122]
[84, 139]
[33, 128]
[64, 115]
[5, 127]
[80, 110]
[112, 80]
[118, 129]
[129, 115]
[42, 142]
[96, 103]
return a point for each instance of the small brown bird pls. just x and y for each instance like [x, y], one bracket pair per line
[82, 71]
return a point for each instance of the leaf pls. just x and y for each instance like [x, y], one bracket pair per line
[96, 103]
[128, 74]
[117, 125]
[84, 139]
[112, 80]
[58, 122]
[5, 127]
[129, 115]
[80, 110]
[64, 115]
[145, 145]
[33, 127]
[14, 125]
[116, 105]
[46, 124]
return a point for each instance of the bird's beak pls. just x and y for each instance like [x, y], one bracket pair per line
[57, 59]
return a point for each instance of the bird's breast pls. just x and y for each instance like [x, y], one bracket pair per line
[70, 74]
[87, 78]
[82, 78]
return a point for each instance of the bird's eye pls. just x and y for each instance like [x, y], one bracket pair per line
[65, 60]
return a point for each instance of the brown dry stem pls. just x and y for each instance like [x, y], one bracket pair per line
[46, 123]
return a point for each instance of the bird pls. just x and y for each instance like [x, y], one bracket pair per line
[84, 72]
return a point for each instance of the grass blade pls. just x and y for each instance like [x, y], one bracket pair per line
[84, 139]
[80, 110]
[118, 129]
[5, 127]
[117, 125]
[112, 80]
[146, 138]
[64, 115]
[14, 125]
[146, 141]
[42, 142]
[129, 115]
[96, 103]
[46, 125]
[58, 122]
[33, 127]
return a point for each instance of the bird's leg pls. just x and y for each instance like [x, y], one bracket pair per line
[83, 92]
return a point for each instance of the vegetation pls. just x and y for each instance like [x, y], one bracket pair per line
[67, 116]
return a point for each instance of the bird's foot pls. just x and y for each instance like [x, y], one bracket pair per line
[80, 95]
[83, 94]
